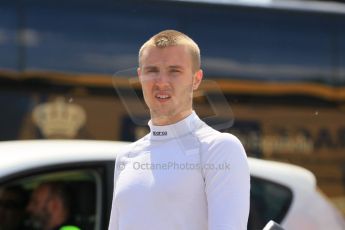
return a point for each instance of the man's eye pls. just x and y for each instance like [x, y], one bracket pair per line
[175, 71]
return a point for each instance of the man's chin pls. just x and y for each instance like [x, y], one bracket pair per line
[163, 110]
[35, 223]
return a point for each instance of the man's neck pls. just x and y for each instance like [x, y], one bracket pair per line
[161, 120]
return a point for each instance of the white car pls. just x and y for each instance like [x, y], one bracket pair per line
[281, 192]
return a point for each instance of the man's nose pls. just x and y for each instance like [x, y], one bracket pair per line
[162, 79]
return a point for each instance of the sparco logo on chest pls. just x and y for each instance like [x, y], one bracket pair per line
[163, 133]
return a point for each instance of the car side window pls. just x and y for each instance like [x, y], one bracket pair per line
[268, 201]
[55, 199]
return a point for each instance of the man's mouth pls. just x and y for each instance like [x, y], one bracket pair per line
[162, 97]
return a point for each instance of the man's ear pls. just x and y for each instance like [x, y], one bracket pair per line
[197, 79]
[139, 74]
[138, 71]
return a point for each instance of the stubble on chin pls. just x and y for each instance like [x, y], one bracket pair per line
[162, 113]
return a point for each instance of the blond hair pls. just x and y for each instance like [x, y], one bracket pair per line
[167, 38]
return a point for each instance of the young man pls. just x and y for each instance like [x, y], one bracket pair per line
[183, 174]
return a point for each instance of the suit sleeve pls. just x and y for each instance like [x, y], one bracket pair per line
[227, 184]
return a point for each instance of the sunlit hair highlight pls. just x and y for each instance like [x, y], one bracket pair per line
[168, 38]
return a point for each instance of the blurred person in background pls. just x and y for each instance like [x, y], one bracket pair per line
[49, 207]
[13, 200]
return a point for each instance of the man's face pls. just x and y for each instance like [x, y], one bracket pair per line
[168, 80]
[38, 207]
